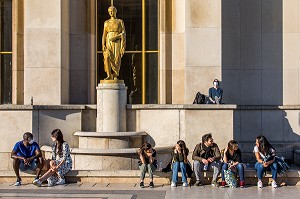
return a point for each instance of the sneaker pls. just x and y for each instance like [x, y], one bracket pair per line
[60, 181]
[242, 184]
[37, 182]
[197, 183]
[259, 184]
[142, 185]
[223, 184]
[173, 184]
[214, 183]
[185, 184]
[274, 184]
[151, 185]
[17, 183]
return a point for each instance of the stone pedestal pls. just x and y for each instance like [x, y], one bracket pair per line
[111, 106]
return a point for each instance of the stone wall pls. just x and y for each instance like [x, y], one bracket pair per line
[41, 121]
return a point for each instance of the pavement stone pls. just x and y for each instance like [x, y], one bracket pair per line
[131, 191]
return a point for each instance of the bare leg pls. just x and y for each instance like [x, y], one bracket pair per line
[49, 173]
[40, 167]
[16, 165]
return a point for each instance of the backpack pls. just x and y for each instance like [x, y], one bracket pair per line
[199, 99]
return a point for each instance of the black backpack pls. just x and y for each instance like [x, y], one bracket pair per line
[199, 99]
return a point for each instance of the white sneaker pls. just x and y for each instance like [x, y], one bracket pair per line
[17, 183]
[37, 182]
[173, 184]
[259, 184]
[185, 184]
[61, 181]
[274, 184]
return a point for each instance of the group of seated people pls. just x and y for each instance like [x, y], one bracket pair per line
[27, 156]
[207, 156]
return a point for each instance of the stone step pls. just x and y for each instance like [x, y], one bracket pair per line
[107, 159]
[110, 152]
[292, 177]
[110, 140]
[297, 157]
[110, 134]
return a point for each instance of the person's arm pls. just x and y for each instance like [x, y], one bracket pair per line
[210, 95]
[258, 158]
[104, 37]
[217, 153]
[14, 155]
[225, 155]
[220, 94]
[196, 153]
[142, 158]
[66, 152]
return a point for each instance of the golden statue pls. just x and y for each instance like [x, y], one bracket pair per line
[113, 44]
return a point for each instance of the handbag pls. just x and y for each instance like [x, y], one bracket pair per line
[230, 177]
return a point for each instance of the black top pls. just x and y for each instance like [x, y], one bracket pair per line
[178, 157]
[236, 157]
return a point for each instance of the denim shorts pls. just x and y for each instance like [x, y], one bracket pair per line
[32, 166]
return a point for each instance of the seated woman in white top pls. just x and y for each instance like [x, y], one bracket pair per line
[265, 156]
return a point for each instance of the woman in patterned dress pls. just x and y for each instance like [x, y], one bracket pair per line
[61, 162]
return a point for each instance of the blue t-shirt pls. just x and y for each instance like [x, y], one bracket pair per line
[26, 151]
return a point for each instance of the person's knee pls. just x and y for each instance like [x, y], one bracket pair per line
[259, 166]
[52, 163]
[275, 165]
[240, 166]
[16, 162]
[225, 166]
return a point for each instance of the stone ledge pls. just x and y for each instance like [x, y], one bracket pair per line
[182, 106]
[210, 107]
[47, 107]
[108, 152]
[110, 134]
[292, 177]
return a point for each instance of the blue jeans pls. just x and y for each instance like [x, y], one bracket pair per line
[239, 167]
[260, 170]
[175, 169]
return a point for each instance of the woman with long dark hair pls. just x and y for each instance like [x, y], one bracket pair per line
[233, 159]
[61, 162]
[265, 156]
[179, 160]
[147, 163]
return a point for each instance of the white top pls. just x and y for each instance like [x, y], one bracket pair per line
[272, 151]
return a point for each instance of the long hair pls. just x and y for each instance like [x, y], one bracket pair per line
[264, 145]
[232, 144]
[184, 149]
[57, 134]
[144, 147]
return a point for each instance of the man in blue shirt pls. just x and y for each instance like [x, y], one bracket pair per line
[215, 93]
[27, 155]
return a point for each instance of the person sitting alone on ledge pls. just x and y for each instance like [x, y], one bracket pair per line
[147, 163]
[215, 93]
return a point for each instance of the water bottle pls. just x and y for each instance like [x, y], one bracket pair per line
[160, 166]
[205, 167]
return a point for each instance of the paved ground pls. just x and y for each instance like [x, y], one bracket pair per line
[132, 191]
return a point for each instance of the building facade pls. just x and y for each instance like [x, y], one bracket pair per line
[51, 55]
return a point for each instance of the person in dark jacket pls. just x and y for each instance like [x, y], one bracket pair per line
[179, 160]
[215, 93]
[206, 156]
[233, 158]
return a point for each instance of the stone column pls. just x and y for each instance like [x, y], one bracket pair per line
[111, 106]
[46, 52]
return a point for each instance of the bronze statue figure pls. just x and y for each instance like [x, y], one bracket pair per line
[113, 44]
